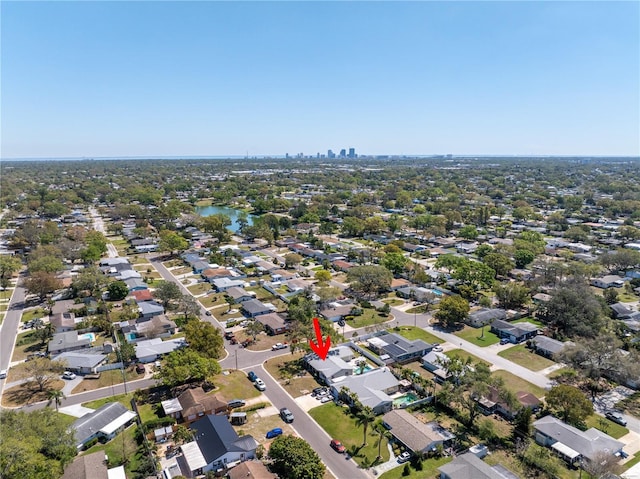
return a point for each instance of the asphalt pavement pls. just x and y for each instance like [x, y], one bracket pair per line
[9, 328]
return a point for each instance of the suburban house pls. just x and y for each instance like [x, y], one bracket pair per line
[399, 349]
[155, 327]
[273, 323]
[514, 332]
[216, 447]
[469, 466]
[63, 322]
[415, 435]
[103, 423]
[572, 444]
[492, 403]
[144, 295]
[251, 470]
[212, 273]
[342, 265]
[336, 311]
[149, 309]
[283, 275]
[609, 281]
[223, 284]
[329, 369]
[254, 307]
[239, 294]
[541, 298]
[150, 350]
[195, 403]
[87, 466]
[621, 311]
[69, 341]
[135, 284]
[548, 347]
[399, 283]
[81, 363]
[372, 388]
[415, 292]
[483, 316]
[436, 362]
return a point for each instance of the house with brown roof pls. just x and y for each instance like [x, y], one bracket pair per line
[251, 470]
[63, 322]
[196, 403]
[342, 265]
[273, 323]
[492, 403]
[87, 466]
[144, 295]
[417, 436]
[397, 283]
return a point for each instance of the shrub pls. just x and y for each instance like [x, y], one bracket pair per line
[406, 470]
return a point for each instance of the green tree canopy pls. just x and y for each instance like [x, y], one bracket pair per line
[570, 403]
[295, 459]
[574, 311]
[171, 242]
[117, 290]
[394, 262]
[369, 280]
[204, 338]
[453, 310]
[167, 291]
[186, 366]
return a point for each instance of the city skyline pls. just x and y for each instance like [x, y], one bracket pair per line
[220, 79]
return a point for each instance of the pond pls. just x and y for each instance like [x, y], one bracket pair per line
[230, 212]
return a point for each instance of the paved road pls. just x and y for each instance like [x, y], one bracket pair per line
[307, 428]
[98, 225]
[9, 328]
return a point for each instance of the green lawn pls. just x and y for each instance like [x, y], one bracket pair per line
[614, 430]
[419, 309]
[523, 356]
[120, 449]
[633, 462]
[33, 314]
[367, 318]
[531, 320]
[235, 385]
[411, 332]
[339, 424]
[429, 469]
[393, 301]
[124, 399]
[516, 384]
[199, 288]
[462, 354]
[261, 293]
[476, 336]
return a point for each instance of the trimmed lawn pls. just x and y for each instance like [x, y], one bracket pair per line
[462, 354]
[32, 314]
[412, 332]
[339, 424]
[107, 378]
[633, 462]
[393, 301]
[473, 335]
[429, 469]
[603, 424]
[4, 306]
[525, 357]
[182, 270]
[172, 263]
[261, 293]
[291, 375]
[529, 319]
[367, 318]
[199, 288]
[516, 384]
[235, 385]
[122, 449]
[419, 309]
[124, 399]
[27, 343]
[28, 393]
[263, 340]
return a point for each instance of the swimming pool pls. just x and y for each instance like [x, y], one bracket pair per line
[405, 400]
[358, 370]
[130, 336]
[90, 336]
[437, 292]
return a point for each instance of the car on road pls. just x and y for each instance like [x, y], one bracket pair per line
[236, 403]
[404, 457]
[259, 383]
[228, 335]
[68, 375]
[274, 433]
[3, 373]
[252, 376]
[208, 313]
[504, 341]
[277, 346]
[438, 349]
[286, 415]
[337, 446]
[616, 417]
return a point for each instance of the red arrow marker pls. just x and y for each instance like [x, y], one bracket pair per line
[322, 348]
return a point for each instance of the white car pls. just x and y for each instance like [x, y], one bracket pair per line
[259, 383]
[68, 375]
[3, 373]
[277, 346]
[404, 457]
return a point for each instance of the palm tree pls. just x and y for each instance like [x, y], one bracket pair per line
[55, 396]
[365, 417]
[382, 434]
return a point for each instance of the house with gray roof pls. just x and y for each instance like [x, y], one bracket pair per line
[151, 349]
[87, 466]
[135, 284]
[608, 281]
[68, 341]
[483, 316]
[514, 332]
[548, 347]
[81, 363]
[216, 447]
[621, 311]
[415, 435]
[469, 466]
[329, 369]
[149, 309]
[400, 349]
[373, 388]
[254, 307]
[239, 294]
[103, 423]
[223, 284]
[63, 322]
[572, 444]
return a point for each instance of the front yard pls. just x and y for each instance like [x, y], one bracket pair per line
[463, 355]
[106, 379]
[291, 375]
[516, 384]
[523, 356]
[412, 332]
[614, 430]
[234, 385]
[341, 425]
[368, 317]
[429, 469]
[477, 336]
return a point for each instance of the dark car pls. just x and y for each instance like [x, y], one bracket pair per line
[274, 433]
[140, 368]
[228, 335]
[236, 403]
[337, 446]
[252, 376]
[208, 313]
[286, 415]
[616, 417]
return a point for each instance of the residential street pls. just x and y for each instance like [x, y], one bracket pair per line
[9, 328]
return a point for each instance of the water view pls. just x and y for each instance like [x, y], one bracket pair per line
[230, 212]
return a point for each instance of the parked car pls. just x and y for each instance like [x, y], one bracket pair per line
[68, 375]
[325, 399]
[438, 349]
[3, 373]
[341, 322]
[274, 433]
[236, 403]
[337, 446]
[228, 335]
[259, 383]
[277, 346]
[616, 417]
[140, 368]
[317, 391]
[286, 415]
[252, 376]
[504, 341]
[208, 313]
[404, 457]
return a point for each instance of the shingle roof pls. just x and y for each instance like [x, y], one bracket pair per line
[194, 401]
[468, 466]
[413, 433]
[215, 437]
[91, 423]
[87, 466]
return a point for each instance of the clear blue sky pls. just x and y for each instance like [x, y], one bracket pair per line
[223, 78]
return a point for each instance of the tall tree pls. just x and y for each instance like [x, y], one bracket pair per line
[186, 366]
[570, 403]
[42, 284]
[254, 328]
[574, 311]
[117, 290]
[167, 291]
[453, 310]
[55, 396]
[42, 371]
[394, 262]
[172, 242]
[365, 417]
[294, 458]
[8, 266]
[188, 306]
[204, 338]
[369, 280]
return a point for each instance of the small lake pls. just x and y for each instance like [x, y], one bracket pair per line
[230, 212]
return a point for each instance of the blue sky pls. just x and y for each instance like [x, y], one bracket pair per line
[226, 78]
